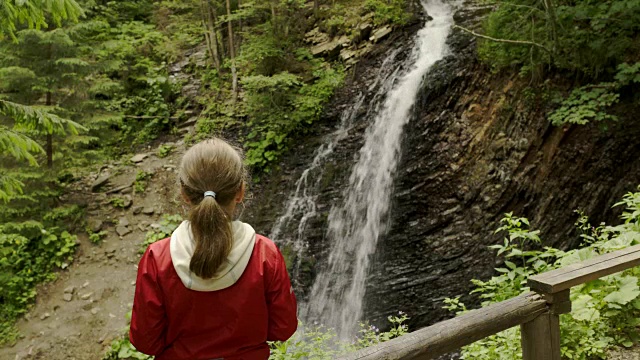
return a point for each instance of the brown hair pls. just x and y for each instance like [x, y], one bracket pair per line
[212, 165]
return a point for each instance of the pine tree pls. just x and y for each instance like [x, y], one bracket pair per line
[32, 13]
[44, 71]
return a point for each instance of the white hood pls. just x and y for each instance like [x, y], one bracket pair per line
[182, 247]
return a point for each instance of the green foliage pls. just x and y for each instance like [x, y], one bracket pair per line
[592, 102]
[97, 238]
[579, 36]
[34, 13]
[122, 349]
[604, 313]
[29, 253]
[164, 150]
[142, 178]
[586, 104]
[117, 202]
[165, 228]
[282, 105]
[15, 143]
[319, 342]
[388, 12]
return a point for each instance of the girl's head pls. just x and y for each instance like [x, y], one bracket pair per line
[212, 166]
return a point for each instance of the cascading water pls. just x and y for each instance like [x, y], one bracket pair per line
[301, 205]
[355, 226]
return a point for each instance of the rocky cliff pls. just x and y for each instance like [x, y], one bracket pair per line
[478, 146]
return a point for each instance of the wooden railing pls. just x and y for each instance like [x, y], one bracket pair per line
[536, 312]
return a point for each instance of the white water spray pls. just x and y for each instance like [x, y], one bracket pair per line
[301, 205]
[356, 225]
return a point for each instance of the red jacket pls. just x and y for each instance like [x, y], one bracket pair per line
[173, 322]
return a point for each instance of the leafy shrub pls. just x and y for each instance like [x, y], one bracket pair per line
[164, 150]
[282, 105]
[117, 202]
[29, 253]
[167, 225]
[605, 311]
[140, 184]
[96, 238]
[583, 36]
[388, 12]
[592, 102]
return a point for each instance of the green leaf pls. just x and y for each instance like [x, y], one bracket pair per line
[582, 309]
[628, 291]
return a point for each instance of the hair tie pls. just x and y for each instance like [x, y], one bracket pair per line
[210, 193]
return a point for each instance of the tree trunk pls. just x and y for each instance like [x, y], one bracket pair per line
[274, 20]
[551, 14]
[49, 147]
[209, 20]
[239, 37]
[232, 53]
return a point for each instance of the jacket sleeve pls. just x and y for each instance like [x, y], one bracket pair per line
[281, 302]
[148, 318]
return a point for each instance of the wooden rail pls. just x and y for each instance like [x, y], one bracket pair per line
[536, 312]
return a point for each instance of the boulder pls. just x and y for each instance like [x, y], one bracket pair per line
[363, 32]
[380, 34]
[128, 201]
[316, 36]
[138, 158]
[330, 49]
[122, 230]
[95, 225]
[99, 182]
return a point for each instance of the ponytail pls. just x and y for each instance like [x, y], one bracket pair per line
[212, 233]
[215, 169]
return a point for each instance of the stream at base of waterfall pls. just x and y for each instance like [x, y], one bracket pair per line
[358, 222]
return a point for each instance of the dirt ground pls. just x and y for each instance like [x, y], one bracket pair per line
[77, 316]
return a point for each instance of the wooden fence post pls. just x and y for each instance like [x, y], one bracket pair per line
[541, 336]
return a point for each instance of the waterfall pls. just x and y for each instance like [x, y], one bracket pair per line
[301, 204]
[356, 224]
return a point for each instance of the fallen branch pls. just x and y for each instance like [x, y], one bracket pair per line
[516, 42]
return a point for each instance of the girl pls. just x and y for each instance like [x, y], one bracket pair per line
[215, 289]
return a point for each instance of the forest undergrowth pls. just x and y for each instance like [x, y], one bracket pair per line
[88, 81]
